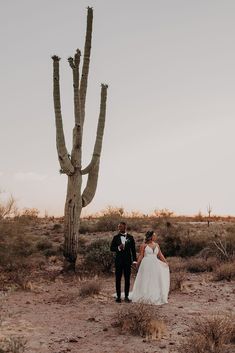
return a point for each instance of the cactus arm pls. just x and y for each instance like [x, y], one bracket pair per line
[93, 168]
[90, 189]
[77, 130]
[100, 131]
[74, 64]
[64, 160]
[86, 62]
[91, 165]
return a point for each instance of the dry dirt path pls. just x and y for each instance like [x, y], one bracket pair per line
[54, 319]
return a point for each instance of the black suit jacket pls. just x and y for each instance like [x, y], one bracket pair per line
[128, 255]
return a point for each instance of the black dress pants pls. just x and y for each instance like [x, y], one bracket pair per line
[123, 268]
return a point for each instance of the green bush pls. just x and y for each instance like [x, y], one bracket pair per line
[98, 257]
[44, 244]
[15, 246]
[178, 241]
[107, 223]
[109, 219]
[86, 227]
[53, 251]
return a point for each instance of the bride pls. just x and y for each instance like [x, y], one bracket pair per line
[153, 278]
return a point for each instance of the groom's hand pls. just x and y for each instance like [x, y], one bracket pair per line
[121, 247]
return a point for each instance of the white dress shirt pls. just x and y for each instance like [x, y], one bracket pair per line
[123, 239]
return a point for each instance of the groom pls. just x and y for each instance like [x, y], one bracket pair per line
[123, 245]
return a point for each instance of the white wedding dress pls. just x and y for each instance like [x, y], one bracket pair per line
[153, 279]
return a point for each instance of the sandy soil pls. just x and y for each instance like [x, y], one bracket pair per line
[54, 319]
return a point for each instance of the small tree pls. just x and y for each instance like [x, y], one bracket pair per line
[71, 164]
[8, 208]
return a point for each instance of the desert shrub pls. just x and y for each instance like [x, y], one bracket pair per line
[86, 227]
[98, 257]
[221, 245]
[57, 226]
[21, 278]
[109, 219]
[107, 223]
[135, 318]
[230, 240]
[55, 250]
[192, 245]
[112, 216]
[82, 245]
[36, 261]
[44, 244]
[178, 241]
[198, 264]
[225, 271]
[15, 246]
[176, 280]
[28, 215]
[176, 264]
[135, 224]
[13, 345]
[10, 228]
[209, 335]
[90, 288]
[198, 343]
[65, 299]
[170, 244]
[19, 252]
[224, 248]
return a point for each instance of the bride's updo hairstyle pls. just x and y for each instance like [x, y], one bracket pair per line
[149, 235]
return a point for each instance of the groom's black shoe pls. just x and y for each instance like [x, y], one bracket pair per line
[118, 300]
[127, 300]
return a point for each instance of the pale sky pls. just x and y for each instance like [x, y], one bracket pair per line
[169, 137]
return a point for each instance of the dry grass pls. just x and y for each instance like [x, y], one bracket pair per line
[13, 345]
[226, 271]
[90, 288]
[210, 335]
[82, 245]
[199, 264]
[176, 264]
[135, 318]
[67, 299]
[177, 280]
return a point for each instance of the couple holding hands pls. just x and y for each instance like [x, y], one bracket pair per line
[153, 278]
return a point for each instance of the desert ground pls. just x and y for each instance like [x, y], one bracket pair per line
[46, 310]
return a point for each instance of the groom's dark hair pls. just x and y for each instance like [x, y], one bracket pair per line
[124, 223]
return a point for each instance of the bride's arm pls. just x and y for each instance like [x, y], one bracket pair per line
[160, 255]
[141, 254]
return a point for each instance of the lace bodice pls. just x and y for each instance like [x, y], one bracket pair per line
[148, 251]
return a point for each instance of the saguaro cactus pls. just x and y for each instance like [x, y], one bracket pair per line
[72, 164]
